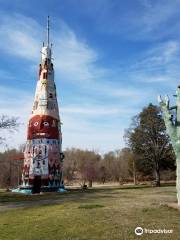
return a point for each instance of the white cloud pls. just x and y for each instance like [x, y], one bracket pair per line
[79, 128]
[22, 37]
[136, 20]
[162, 54]
[103, 142]
[17, 103]
[156, 13]
[158, 64]
[156, 20]
[19, 36]
[75, 61]
[5, 75]
[96, 111]
[88, 134]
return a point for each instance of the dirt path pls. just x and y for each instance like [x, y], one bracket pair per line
[39, 202]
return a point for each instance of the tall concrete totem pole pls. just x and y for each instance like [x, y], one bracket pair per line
[43, 157]
[172, 122]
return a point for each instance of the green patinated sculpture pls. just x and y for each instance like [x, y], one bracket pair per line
[172, 123]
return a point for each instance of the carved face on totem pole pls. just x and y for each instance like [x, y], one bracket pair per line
[43, 127]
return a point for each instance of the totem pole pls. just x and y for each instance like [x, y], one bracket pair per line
[172, 122]
[43, 157]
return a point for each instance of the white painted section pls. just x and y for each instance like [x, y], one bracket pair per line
[43, 103]
[45, 53]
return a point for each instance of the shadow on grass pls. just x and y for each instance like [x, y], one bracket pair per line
[9, 197]
[91, 206]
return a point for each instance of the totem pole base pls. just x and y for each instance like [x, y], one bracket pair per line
[22, 190]
[30, 190]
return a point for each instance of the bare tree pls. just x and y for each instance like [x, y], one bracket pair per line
[11, 162]
[88, 166]
[7, 123]
[81, 165]
[70, 163]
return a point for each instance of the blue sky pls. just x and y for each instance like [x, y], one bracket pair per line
[111, 59]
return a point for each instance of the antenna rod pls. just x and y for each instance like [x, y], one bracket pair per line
[48, 31]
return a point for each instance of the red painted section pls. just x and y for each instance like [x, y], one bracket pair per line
[43, 127]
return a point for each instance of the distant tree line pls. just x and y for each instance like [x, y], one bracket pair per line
[148, 156]
[10, 168]
[85, 167]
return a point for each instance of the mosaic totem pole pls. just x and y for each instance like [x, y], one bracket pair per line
[172, 122]
[43, 157]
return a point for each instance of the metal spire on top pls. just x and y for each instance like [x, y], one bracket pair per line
[48, 31]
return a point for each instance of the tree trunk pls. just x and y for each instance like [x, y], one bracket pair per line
[103, 180]
[121, 181]
[90, 183]
[134, 172]
[10, 173]
[157, 175]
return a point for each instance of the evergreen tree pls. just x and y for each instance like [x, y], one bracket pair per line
[148, 140]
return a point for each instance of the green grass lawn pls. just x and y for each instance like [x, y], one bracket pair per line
[109, 213]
